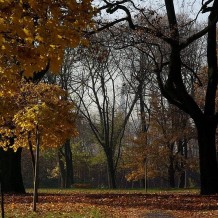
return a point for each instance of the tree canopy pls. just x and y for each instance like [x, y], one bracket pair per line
[34, 34]
[33, 38]
[42, 105]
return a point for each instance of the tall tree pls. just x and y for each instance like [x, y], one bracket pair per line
[64, 152]
[33, 36]
[97, 87]
[173, 85]
[51, 120]
[166, 143]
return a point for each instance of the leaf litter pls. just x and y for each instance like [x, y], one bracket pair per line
[113, 205]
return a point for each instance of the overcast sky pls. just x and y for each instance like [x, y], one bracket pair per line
[190, 7]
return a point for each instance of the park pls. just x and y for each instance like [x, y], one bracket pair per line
[108, 108]
[109, 203]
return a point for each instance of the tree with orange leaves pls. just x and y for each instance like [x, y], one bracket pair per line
[33, 33]
[40, 115]
[33, 37]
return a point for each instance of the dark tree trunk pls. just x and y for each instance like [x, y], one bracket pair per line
[62, 170]
[208, 159]
[171, 173]
[182, 179]
[111, 172]
[10, 167]
[144, 126]
[69, 164]
[66, 169]
[183, 151]
[142, 183]
[207, 127]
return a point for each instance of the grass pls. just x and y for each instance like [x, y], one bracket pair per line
[115, 191]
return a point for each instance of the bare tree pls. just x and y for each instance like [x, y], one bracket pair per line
[172, 84]
[97, 87]
[64, 152]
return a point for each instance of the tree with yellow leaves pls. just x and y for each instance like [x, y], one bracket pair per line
[40, 110]
[42, 105]
[33, 37]
[33, 33]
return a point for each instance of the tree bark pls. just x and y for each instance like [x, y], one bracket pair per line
[183, 151]
[171, 173]
[111, 172]
[62, 170]
[207, 127]
[175, 91]
[208, 159]
[143, 129]
[69, 165]
[10, 167]
[66, 169]
[182, 179]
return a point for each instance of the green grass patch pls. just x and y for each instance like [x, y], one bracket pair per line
[114, 191]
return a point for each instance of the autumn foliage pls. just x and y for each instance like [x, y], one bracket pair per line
[109, 204]
[33, 37]
[42, 105]
[33, 33]
[163, 147]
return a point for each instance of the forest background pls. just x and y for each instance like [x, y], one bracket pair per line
[103, 117]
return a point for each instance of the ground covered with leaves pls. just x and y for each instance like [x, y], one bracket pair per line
[112, 204]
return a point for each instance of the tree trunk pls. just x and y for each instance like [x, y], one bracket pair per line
[208, 159]
[62, 170]
[142, 183]
[10, 168]
[144, 126]
[69, 164]
[182, 179]
[184, 152]
[111, 172]
[171, 173]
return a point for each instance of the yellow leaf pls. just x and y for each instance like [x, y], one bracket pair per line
[27, 32]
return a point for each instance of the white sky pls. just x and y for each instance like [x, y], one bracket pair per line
[190, 7]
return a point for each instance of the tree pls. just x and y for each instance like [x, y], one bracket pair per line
[66, 165]
[173, 85]
[96, 85]
[140, 57]
[34, 33]
[64, 152]
[174, 131]
[52, 119]
[164, 145]
[33, 36]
